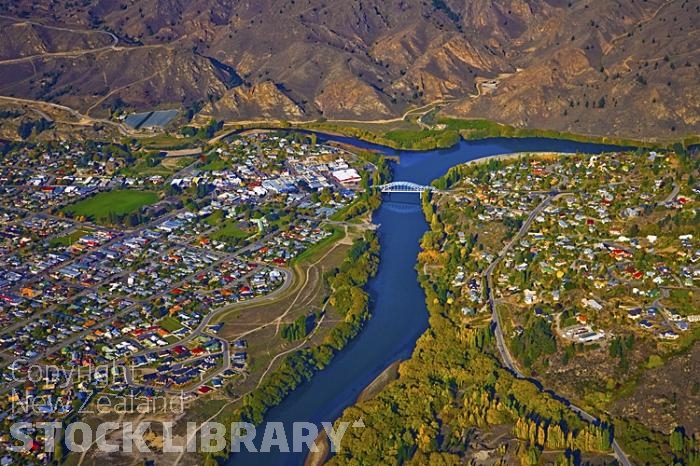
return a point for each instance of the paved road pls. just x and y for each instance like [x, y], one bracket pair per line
[226, 351]
[226, 365]
[118, 314]
[208, 318]
[508, 360]
[197, 331]
[672, 195]
[77, 258]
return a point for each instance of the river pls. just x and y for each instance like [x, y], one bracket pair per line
[399, 315]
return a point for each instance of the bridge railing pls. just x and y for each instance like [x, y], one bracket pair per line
[404, 187]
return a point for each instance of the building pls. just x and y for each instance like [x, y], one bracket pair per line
[347, 176]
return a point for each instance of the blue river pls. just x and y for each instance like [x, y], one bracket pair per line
[399, 314]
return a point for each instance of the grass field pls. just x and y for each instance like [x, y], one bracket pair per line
[684, 301]
[68, 239]
[164, 168]
[423, 139]
[99, 207]
[166, 141]
[408, 135]
[229, 230]
[317, 248]
[171, 324]
[215, 164]
[480, 129]
[215, 218]
[309, 287]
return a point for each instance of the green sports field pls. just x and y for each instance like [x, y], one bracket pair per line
[99, 207]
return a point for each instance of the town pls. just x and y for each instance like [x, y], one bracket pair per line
[589, 265]
[126, 260]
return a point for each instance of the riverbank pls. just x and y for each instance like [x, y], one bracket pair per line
[387, 376]
[454, 381]
[398, 300]
[448, 133]
[513, 156]
[317, 458]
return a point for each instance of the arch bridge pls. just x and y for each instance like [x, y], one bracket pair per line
[405, 187]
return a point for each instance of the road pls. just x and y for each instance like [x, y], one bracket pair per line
[87, 290]
[226, 365]
[196, 332]
[208, 318]
[403, 117]
[66, 53]
[508, 360]
[83, 120]
[288, 279]
[673, 194]
[119, 237]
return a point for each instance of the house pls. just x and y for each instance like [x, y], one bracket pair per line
[169, 225]
[682, 325]
[529, 296]
[590, 336]
[593, 304]
[180, 351]
[216, 328]
[669, 335]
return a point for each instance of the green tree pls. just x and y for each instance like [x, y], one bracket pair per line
[677, 440]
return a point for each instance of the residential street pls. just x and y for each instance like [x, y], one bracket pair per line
[508, 360]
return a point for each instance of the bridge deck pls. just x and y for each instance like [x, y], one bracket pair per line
[404, 187]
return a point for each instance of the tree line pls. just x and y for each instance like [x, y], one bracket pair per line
[350, 300]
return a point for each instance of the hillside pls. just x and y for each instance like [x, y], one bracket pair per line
[627, 68]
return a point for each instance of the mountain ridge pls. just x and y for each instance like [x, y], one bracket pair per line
[625, 69]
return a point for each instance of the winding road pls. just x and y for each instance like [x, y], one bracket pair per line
[83, 120]
[67, 53]
[508, 360]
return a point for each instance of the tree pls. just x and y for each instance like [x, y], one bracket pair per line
[133, 219]
[296, 330]
[24, 130]
[435, 224]
[677, 440]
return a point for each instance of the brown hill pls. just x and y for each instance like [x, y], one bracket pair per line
[627, 68]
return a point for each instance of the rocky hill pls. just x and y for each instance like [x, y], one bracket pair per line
[628, 68]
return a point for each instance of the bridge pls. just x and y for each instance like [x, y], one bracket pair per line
[405, 187]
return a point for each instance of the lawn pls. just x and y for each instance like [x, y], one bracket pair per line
[337, 234]
[214, 165]
[68, 239]
[215, 218]
[230, 230]
[166, 141]
[119, 202]
[164, 166]
[684, 301]
[171, 324]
